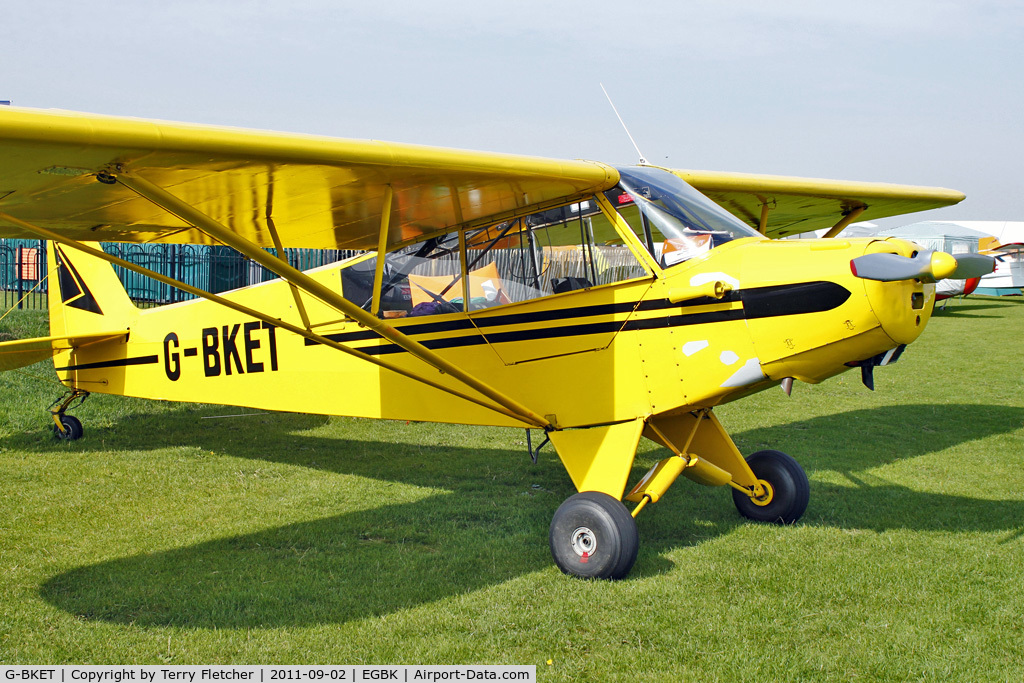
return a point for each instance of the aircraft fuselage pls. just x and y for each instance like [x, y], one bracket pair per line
[593, 356]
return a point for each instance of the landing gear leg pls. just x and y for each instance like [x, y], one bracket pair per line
[768, 486]
[67, 427]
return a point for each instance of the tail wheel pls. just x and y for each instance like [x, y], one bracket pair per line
[786, 489]
[593, 536]
[73, 429]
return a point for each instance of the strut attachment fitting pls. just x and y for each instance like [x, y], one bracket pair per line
[534, 452]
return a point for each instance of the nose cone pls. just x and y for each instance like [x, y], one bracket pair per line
[903, 307]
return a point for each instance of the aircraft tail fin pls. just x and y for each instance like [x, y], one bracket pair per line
[85, 295]
[88, 305]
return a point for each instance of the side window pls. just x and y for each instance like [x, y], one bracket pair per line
[421, 279]
[432, 273]
[559, 250]
[550, 252]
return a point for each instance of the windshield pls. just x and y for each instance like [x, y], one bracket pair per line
[674, 220]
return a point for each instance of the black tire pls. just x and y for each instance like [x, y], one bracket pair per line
[790, 489]
[73, 429]
[599, 526]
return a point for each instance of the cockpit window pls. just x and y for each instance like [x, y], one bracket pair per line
[674, 221]
[559, 250]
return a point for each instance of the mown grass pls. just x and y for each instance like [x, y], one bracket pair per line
[31, 300]
[172, 535]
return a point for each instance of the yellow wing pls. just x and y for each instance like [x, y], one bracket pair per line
[319, 192]
[329, 193]
[788, 205]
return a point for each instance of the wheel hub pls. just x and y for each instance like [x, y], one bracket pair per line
[769, 494]
[583, 541]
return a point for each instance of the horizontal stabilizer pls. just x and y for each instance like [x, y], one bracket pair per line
[22, 352]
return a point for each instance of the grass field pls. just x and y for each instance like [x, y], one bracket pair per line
[174, 534]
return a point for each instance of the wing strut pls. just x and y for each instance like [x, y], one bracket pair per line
[762, 224]
[192, 216]
[245, 310]
[844, 221]
[382, 249]
[299, 306]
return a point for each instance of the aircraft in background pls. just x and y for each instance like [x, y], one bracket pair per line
[1008, 277]
[597, 304]
[947, 289]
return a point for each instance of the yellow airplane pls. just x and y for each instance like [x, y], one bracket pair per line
[595, 303]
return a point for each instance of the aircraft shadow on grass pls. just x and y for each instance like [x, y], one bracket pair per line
[970, 315]
[970, 309]
[493, 524]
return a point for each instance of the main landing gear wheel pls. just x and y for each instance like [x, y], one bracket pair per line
[786, 486]
[72, 428]
[593, 536]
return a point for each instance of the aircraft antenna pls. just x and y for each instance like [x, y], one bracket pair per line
[635, 146]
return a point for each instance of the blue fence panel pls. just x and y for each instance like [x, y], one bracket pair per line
[213, 269]
[23, 273]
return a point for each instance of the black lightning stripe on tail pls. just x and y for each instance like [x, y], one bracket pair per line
[73, 290]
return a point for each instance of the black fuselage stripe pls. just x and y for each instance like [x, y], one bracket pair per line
[758, 302]
[512, 336]
[568, 331]
[416, 329]
[686, 319]
[780, 300]
[119, 363]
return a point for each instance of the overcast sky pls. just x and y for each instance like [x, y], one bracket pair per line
[922, 92]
